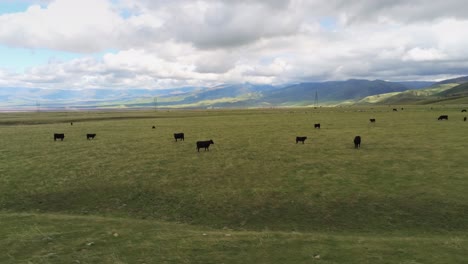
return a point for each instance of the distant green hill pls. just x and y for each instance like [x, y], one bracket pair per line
[331, 91]
[451, 91]
[460, 90]
[243, 95]
[459, 80]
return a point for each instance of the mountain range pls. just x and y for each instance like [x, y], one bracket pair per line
[349, 92]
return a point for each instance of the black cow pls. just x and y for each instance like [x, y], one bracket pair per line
[60, 136]
[443, 117]
[464, 119]
[357, 142]
[372, 120]
[204, 144]
[300, 139]
[179, 136]
[464, 110]
[316, 125]
[153, 127]
[395, 110]
[71, 123]
[90, 136]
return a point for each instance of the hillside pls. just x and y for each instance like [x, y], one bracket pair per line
[445, 91]
[331, 91]
[459, 91]
[411, 96]
[292, 95]
[228, 95]
[459, 80]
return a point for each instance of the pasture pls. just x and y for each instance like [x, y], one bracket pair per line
[256, 195]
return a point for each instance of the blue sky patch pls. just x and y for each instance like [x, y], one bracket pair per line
[19, 59]
[10, 7]
[13, 7]
[328, 23]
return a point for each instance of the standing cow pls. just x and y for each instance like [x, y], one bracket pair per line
[179, 136]
[300, 139]
[357, 142]
[90, 136]
[317, 125]
[372, 120]
[60, 136]
[443, 117]
[464, 119]
[204, 144]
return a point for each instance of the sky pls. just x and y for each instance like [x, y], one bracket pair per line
[79, 44]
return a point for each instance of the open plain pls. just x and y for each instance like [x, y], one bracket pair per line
[135, 195]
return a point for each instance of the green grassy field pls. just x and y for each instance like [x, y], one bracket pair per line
[256, 196]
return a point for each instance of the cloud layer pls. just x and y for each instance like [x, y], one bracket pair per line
[160, 44]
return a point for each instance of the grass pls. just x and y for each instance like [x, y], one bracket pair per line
[49, 238]
[402, 195]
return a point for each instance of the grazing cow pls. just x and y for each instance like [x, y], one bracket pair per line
[443, 117]
[179, 136]
[464, 119]
[60, 136]
[90, 136]
[464, 110]
[372, 120]
[357, 142]
[153, 127]
[300, 139]
[395, 110]
[316, 125]
[71, 123]
[204, 144]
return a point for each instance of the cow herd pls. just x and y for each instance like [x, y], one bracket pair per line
[445, 117]
[206, 144]
[61, 136]
[200, 144]
[357, 141]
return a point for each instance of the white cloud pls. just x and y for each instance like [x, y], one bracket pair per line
[419, 54]
[80, 26]
[180, 42]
